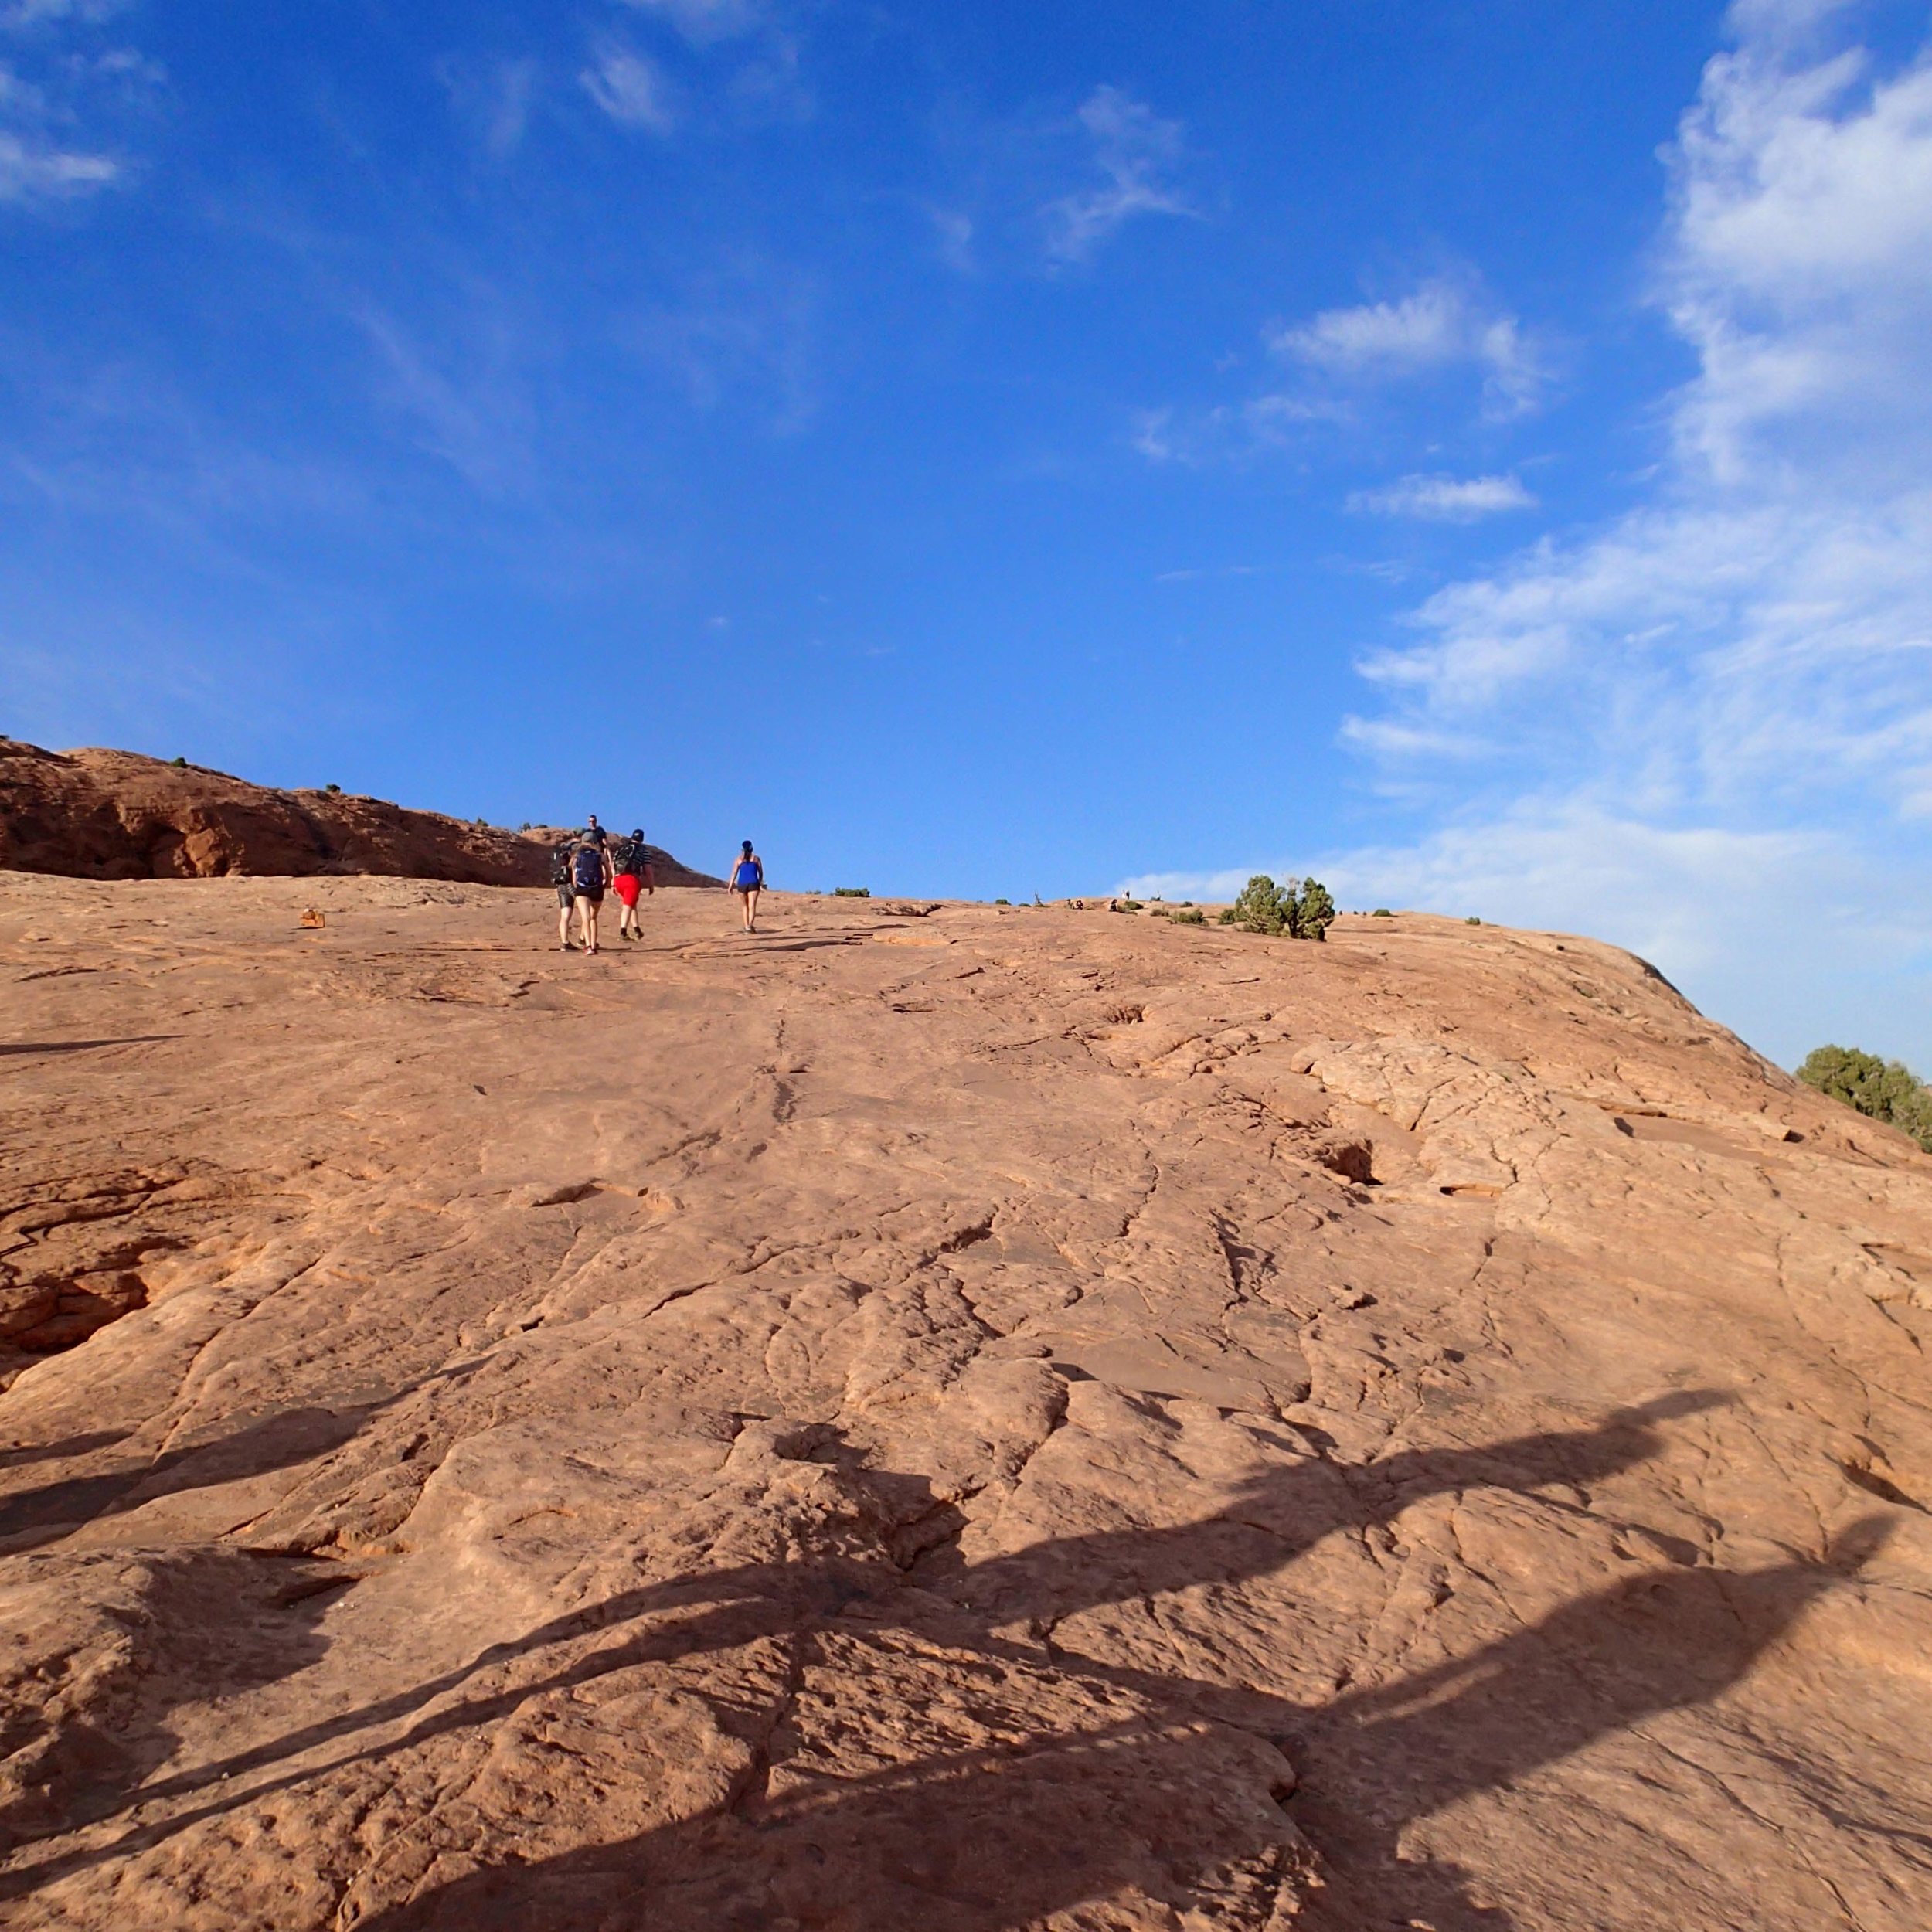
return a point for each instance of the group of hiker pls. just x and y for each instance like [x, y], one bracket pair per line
[590, 862]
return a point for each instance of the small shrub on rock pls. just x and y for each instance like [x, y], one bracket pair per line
[1188, 916]
[1882, 1090]
[852, 892]
[1472, 921]
[334, 791]
[1382, 911]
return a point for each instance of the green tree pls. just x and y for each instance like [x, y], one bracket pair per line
[1882, 1090]
[1314, 911]
[1264, 906]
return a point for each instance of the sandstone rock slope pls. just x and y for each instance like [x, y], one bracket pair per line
[988, 1420]
[115, 814]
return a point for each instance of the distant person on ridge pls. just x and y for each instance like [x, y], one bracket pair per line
[590, 873]
[747, 881]
[565, 895]
[631, 867]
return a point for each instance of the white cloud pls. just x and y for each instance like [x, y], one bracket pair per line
[1704, 730]
[24, 15]
[703, 22]
[1137, 155]
[467, 406]
[629, 88]
[1445, 323]
[1445, 499]
[34, 170]
[1711, 721]
[50, 147]
[1789, 936]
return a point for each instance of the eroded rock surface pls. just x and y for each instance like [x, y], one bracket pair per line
[937, 1417]
[114, 814]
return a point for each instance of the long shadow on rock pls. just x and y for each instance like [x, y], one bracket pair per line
[1257, 1534]
[1263, 1528]
[1163, 1810]
[203, 1625]
[1375, 1763]
[1173, 1819]
[267, 1444]
[24, 1453]
[12, 1047]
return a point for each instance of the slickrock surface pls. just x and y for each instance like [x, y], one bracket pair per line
[962, 1421]
[114, 814]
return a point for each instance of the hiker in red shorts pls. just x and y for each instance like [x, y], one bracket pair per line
[630, 870]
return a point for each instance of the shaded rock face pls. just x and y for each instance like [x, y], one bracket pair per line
[115, 814]
[977, 1420]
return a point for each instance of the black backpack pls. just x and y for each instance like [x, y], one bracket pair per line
[586, 870]
[627, 856]
[560, 866]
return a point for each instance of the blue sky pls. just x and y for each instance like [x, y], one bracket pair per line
[1481, 453]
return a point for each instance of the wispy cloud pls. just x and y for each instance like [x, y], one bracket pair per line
[34, 170]
[1445, 499]
[1722, 697]
[740, 60]
[743, 337]
[1705, 730]
[1446, 323]
[703, 22]
[1342, 367]
[494, 98]
[630, 87]
[55, 115]
[1232, 431]
[1137, 156]
[24, 15]
[463, 398]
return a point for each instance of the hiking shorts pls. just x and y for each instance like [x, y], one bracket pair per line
[564, 897]
[596, 898]
[627, 885]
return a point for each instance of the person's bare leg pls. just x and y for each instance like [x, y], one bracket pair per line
[591, 909]
[563, 925]
[751, 910]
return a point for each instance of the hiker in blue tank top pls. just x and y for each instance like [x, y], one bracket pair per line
[747, 880]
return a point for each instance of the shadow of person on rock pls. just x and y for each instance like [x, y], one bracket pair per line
[29, 1517]
[1374, 1762]
[1266, 1524]
[1255, 1533]
[268, 1443]
[1163, 1807]
[204, 1624]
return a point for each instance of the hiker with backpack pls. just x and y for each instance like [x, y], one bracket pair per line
[590, 873]
[565, 895]
[747, 881]
[631, 867]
